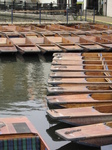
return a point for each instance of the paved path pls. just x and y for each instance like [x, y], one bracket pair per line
[100, 19]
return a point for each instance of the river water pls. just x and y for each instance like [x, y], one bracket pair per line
[23, 82]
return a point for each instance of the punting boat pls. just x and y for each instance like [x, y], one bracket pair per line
[43, 43]
[86, 74]
[65, 44]
[16, 28]
[85, 54]
[80, 81]
[12, 34]
[93, 135]
[81, 62]
[80, 68]
[63, 33]
[24, 45]
[87, 29]
[6, 45]
[51, 28]
[82, 56]
[71, 29]
[85, 43]
[103, 26]
[2, 29]
[91, 27]
[62, 27]
[79, 100]
[19, 133]
[78, 89]
[106, 43]
[82, 115]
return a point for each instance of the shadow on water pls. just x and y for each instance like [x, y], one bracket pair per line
[28, 58]
[53, 128]
[8, 58]
[75, 146]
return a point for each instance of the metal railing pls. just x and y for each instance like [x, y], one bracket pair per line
[38, 12]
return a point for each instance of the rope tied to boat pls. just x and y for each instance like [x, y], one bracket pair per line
[72, 131]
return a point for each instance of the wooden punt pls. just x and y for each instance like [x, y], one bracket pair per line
[51, 28]
[101, 26]
[2, 29]
[82, 115]
[62, 27]
[86, 74]
[63, 33]
[65, 44]
[6, 45]
[86, 44]
[15, 28]
[90, 29]
[85, 54]
[93, 135]
[68, 29]
[80, 81]
[43, 43]
[81, 68]
[79, 100]
[82, 56]
[19, 133]
[12, 34]
[78, 89]
[108, 36]
[81, 62]
[24, 45]
[106, 43]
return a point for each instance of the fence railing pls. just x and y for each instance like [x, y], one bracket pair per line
[37, 12]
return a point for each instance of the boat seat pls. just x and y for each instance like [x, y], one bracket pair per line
[21, 143]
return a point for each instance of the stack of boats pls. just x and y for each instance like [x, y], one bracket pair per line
[80, 94]
[55, 38]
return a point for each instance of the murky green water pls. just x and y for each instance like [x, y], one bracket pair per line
[23, 82]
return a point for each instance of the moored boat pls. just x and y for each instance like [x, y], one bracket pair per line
[19, 133]
[43, 43]
[80, 68]
[71, 74]
[24, 45]
[65, 44]
[79, 100]
[93, 135]
[6, 45]
[80, 81]
[85, 43]
[79, 89]
[106, 43]
[82, 115]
